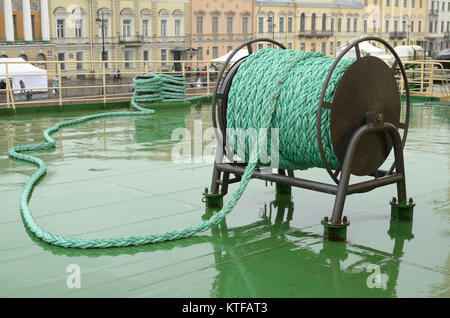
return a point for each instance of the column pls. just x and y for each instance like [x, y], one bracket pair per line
[27, 28]
[9, 25]
[45, 26]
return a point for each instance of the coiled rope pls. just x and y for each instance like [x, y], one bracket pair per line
[268, 74]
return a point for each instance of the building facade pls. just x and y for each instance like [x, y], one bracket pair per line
[438, 34]
[318, 25]
[219, 26]
[24, 30]
[126, 30]
[400, 22]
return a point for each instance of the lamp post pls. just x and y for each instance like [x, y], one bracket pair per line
[272, 24]
[102, 21]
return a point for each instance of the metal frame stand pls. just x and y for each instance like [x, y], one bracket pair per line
[335, 228]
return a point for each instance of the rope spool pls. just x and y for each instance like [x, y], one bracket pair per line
[289, 84]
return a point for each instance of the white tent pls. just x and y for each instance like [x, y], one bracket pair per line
[364, 47]
[20, 71]
[407, 51]
[240, 54]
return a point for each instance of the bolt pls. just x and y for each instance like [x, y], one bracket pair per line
[325, 219]
[411, 201]
[344, 219]
[394, 199]
[206, 190]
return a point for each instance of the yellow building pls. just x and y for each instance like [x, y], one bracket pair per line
[220, 26]
[127, 30]
[24, 30]
[319, 25]
[397, 21]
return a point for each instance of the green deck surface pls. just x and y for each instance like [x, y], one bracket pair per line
[114, 178]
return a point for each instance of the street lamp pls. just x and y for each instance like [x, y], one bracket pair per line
[272, 24]
[102, 21]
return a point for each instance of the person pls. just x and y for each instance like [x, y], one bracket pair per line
[22, 86]
[55, 87]
[114, 74]
[204, 76]
[29, 95]
[118, 74]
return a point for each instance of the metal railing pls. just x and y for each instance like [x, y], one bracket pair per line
[109, 82]
[426, 78]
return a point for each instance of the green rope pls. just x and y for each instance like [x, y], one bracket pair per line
[263, 92]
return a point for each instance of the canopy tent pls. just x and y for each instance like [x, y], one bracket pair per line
[240, 54]
[21, 71]
[409, 51]
[365, 48]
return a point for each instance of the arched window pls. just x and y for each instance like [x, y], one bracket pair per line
[164, 16]
[60, 22]
[324, 22]
[127, 23]
[313, 22]
[78, 17]
[178, 22]
[104, 22]
[146, 16]
[302, 22]
[24, 57]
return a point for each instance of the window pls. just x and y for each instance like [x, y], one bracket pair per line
[419, 27]
[164, 56]
[79, 56]
[324, 48]
[200, 53]
[388, 3]
[430, 27]
[163, 27]
[260, 24]
[348, 24]
[302, 23]
[411, 26]
[145, 55]
[229, 25]
[199, 21]
[339, 24]
[291, 25]
[215, 52]
[374, 26]
[403, 26]
[126, 28]
[355, 25]
[396, 3]
[404, 3]
[177, 27]
[62, 57]
[260, 46]
[365, 26]
[313, 22]
[244, 25]
[420, 3]
[395, 25]
[104, 27]
[387, 26]
[145, 28]
[324, 22]
[331, 48]
[215, 25]
[281, 24]
[78, 27]
[332, 24]
[128, 56]
[229, 48]
[302, 46]
[338, 44]
[442, 26]
[60, 28]
[313, 47]
[289, 46]
[413, 3]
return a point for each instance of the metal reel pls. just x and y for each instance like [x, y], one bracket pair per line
[368, 85]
